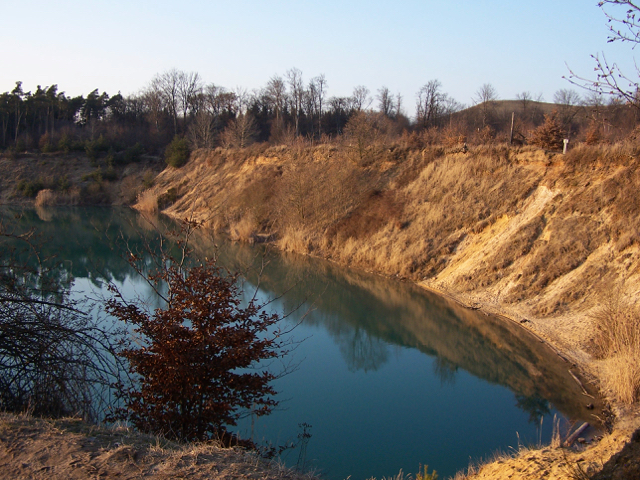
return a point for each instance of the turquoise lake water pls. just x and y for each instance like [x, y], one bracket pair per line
[387, 376]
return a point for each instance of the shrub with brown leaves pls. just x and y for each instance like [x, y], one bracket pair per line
[550, 134]
[194, 358]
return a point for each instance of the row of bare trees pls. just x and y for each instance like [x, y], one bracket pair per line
[181, 103]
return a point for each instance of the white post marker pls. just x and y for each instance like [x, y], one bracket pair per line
[564, 148]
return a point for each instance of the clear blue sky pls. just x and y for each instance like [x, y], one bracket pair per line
[120, 45]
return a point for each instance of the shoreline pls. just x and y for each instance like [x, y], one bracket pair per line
[585, 374]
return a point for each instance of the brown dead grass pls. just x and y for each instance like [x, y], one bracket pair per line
[419, 213]
[46, 198]
[147, 202]
[546, 462]
[617, 344]
[72, 449]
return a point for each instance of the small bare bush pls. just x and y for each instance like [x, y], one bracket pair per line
[46, 198]
[593, 135]
[484, 136]
[453, 136]
[129, 189]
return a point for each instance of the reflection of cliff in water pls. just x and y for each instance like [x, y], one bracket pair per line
[364, 313]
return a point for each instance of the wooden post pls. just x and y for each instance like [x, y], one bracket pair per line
[513, 114]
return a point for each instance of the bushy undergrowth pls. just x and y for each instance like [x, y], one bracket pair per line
[30, 187]
[54, 359]
[177, 152]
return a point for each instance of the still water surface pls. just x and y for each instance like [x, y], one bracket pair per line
[388, 376]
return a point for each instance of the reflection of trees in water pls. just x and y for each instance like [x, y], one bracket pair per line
[445, 371]
[535, 406]
[349, 304]
[362, 351]
[86, 242]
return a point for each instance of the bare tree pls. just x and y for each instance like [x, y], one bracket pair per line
[242, 99]
[276, 92]
[450, 105]
[610, 79]
[201, 132]
[525, 99]
[568, 105]
[154, 105]
[429, 104]
[398, 105]
[360, 98]
[189, 86]
[210, 94]
[167, 84]
[567, 97]
[296, 92]
[340, 108]
[486, 97]
[317, 92]
[240, 132]
[386, 102]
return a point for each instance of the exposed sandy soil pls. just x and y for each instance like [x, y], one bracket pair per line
[70, 449]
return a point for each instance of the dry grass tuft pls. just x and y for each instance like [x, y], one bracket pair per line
[294, 240]
[243, 230]
[46, 198]
[621, 375]
[147, 202]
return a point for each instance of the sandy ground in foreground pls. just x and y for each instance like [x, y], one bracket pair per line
[70, 449]
[554, 463]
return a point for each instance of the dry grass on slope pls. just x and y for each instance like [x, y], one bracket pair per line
[616, 345]
[535, 235]
[428, 214]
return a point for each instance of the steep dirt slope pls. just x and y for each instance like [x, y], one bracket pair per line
[538, 237]
[543, 239]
